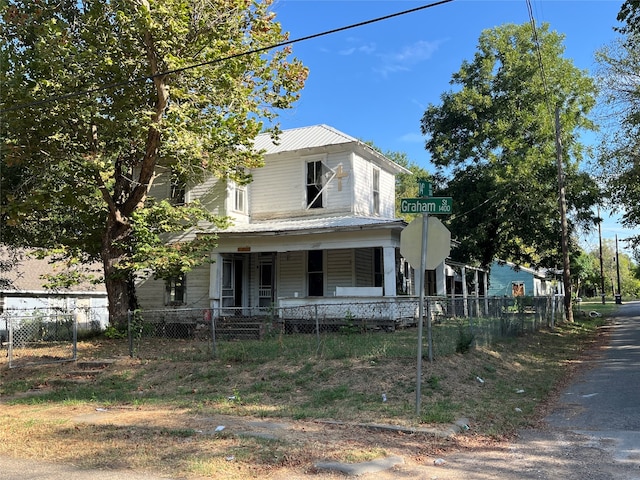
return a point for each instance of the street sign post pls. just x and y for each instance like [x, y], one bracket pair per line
[424, 205]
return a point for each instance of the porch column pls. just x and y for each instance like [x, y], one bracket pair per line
[389, 265]
[486, 293]
[465, 295]
[215, 278]
[476, 288]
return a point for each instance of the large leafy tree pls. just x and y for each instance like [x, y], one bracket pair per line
[99, 96]
[492, 140]
[619, 79]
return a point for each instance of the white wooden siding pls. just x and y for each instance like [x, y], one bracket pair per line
[278, 189]
[151, 292]
[161, 186]
[212, 193]
[361, 186]
[364, 267]
[363, 189]
[197, 283]
[291, 274]
[339, 269]
[387, 194]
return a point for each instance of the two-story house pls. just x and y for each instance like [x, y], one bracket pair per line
[316, 225]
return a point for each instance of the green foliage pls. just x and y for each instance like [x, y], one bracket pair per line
[465, 338]
[630, 15]
[77, 168]
[493, 142]
[114, 332]
[619, 81]
[407, 184]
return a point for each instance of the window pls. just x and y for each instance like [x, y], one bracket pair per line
[239, 198]
[178, 190]
[378, 267]
[376, 191]
[175, 290]
[517, 289]
[315, 274]
[315, 171]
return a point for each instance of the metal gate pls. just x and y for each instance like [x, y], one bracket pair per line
[41, 337]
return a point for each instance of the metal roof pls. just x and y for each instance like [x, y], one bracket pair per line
[317, 136]
[303, 225]
[302, 138]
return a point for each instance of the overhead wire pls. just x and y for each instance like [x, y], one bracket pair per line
[101, 88]
[536, 42]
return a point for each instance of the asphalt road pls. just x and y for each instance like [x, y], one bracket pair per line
[604, 402]
[593, 431]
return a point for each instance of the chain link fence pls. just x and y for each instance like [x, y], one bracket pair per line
[452, 324]
[47, 335]
[40, 337]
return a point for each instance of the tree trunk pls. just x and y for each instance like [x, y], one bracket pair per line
[119, 284]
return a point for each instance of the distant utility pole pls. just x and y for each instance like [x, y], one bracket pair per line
[619, 297]
[602, 292]
[563, 218]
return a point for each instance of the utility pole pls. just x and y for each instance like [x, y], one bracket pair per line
[563, 218]
[602, 292]
[619, 296]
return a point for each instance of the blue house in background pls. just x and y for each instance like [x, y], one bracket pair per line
[509, 280]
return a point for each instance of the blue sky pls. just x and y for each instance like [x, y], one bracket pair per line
[374, 82]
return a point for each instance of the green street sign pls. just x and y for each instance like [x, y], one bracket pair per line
[425, 189]
[433, 206]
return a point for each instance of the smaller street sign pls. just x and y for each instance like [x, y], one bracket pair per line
[425, 189]
[432, 206]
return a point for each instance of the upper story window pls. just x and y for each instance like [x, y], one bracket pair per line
[315, 172]
[239, 198]
[376, 191]
[178, 190]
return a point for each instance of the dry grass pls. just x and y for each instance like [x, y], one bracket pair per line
[161, 414]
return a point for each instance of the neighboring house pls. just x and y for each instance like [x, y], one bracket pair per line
[508, 280]
[26, 293]
[315, 226]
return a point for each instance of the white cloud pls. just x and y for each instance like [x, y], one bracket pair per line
[406, 57]
[356, 46]
[412, 137]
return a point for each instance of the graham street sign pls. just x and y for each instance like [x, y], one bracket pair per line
[431, 206]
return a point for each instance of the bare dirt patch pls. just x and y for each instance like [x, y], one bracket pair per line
[165, 416]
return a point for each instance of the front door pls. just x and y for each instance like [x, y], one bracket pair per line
[266, 281]
[233, 283]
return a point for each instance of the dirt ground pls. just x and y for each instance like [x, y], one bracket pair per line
[537, 453]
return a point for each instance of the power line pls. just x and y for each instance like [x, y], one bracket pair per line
[536, 42]
[67, 96]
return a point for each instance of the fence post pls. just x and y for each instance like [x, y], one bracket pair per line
[10, 346]
[75, 333]
[315, 308]
[429, 331]
[214, 347]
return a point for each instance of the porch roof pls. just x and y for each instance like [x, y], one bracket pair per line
[303, 226]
